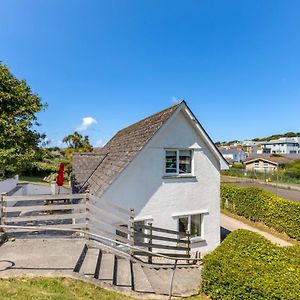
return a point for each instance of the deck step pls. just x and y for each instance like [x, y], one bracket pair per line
[159, 279]
[141, 282]
[186, 281]
[107, 267]
[89, 264]
[123, 272]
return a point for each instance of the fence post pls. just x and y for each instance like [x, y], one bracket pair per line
[150, 243]
[131, 229]
[188, 244]
[2, 214]
[87, 199]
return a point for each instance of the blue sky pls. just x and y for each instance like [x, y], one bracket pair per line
[236, 63]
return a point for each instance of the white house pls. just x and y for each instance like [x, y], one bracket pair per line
[167, 168]
[290, 145]
[233, 155]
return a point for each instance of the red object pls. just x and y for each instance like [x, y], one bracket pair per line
[60, 175]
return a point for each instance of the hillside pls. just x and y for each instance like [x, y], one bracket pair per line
[277, 136]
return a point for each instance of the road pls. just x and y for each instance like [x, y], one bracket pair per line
[284, 193]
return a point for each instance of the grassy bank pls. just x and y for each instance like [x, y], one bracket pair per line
[59, 289]
[53, 288]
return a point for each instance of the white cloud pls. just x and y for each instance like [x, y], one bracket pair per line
[86, 123]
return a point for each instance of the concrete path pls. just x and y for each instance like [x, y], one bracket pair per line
[229, 224]
[52, 256]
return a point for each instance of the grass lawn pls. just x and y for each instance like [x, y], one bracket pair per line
[58, 289]
[32, 179]
[38, 180]
[54, 289]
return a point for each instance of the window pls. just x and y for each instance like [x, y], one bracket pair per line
[192, 224]
[178, 162]
[171, 162]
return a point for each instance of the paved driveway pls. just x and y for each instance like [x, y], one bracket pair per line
[284, 193]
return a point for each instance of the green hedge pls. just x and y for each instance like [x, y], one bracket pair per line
[247, 266]
[259, 205]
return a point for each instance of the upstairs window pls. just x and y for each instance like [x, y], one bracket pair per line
[178, 162]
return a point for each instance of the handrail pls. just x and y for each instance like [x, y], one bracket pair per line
[110, 240]
[101, 237]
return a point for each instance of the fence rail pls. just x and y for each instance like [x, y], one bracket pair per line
[110, 220]
[43, 211]
[144, 237]
[95, 216]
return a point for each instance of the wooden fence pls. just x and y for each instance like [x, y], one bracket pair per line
[46, 211]
[108, 219]
[95, 215]
[176, 242]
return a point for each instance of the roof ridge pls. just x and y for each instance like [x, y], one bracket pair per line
[151, 116]
[87, 153]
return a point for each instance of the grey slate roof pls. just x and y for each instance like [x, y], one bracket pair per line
[83, 165]
[97, 171]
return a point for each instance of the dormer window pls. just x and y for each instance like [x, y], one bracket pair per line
[178, 162]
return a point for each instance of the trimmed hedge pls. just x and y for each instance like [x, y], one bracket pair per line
[248, 266]
[257, 204]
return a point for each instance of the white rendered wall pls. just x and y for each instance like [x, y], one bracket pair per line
[8, 184]
[142, 184]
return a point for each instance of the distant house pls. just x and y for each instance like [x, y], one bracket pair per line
[233, 155]
[252, 147]
[167, 168]
[290, 145]
[268, 163]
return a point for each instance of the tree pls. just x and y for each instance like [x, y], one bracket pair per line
[78, 142]
[19, 139]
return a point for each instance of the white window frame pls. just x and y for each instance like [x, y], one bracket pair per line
[189, 216]
[177, 160]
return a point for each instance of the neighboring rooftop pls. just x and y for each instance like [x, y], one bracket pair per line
[230, 151]
[283, 140]
[280, 160]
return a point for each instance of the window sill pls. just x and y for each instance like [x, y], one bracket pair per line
[197, 239]
[178, 176]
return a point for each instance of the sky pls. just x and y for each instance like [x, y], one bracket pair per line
[102, 65]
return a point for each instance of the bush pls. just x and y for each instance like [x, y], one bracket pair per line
[247, 266]
[259, 205]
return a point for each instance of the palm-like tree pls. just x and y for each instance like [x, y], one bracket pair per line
[78, 141]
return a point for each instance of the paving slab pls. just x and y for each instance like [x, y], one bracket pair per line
[47, 257]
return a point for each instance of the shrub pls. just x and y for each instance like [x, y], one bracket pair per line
[247, 266]
[259, 205]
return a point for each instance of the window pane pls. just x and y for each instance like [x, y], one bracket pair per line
[196, 225]
[183, 224]
[185, 161]
[171, 161]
